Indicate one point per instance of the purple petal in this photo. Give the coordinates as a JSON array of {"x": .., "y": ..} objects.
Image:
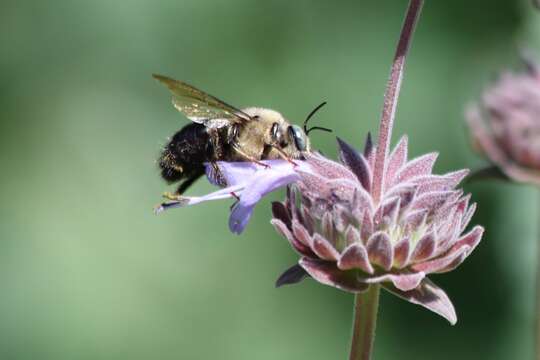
[
  {"x": 261, "y": 183},
  {"x": 284, "y": 231},
  {"x": 415, "y": 218},
  {"x": 279, "y": 211},
  {"x": 239, "y": 218},
  {"x": 402, "y": 253},
  {"x": 396, "y": 160},
  {"x": 402, "y": 281},
  {"x": 355, "y": 257},
  {"x": 432, "y": 200},
  {"x": 417, "y": 167},
  {"x": 301, "y": 234},
  {"x": 241, "y": 172},
  {"x": 471, "y": 239},
  {"x": 352, "y": 235},
  {"x": 425, "y": 248},
  {"x": 327, "y": 226},
  {"x": 448, "y": 181},
  {"x": 405, "y": 191},
  {"x": 441, "y": 264},
  {"x": 341, "y": 217},
  {"x": 429, "y": 296},
  {"x": 324, "y": 249},
  {"x": 380, "y": 250},
  {"x": 389, "y": 211},
  {"x": 449, "y": 231},
  {"x": 468, "y": 216},
  {"x": 308, "y": 219},
  {"x": 293, "y": 275},
  {"x": 367, "y": 226},
  {"x": 361, "y": 200},
  {"x": 329, "y": 169},
  {"x": 328, "y": 274},
  {"x": 356, "y": 163}
]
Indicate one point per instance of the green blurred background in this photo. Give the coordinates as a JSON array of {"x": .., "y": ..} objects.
[{"x": 87, "y": 271}]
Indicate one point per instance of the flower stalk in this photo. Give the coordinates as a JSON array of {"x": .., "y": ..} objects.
[
  {"x": 365, "y": 321},
  {"x": 537, "y": 299},
  {"x": 392, "y": 94}
]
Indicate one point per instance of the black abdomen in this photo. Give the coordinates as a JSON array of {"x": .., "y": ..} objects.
[{"x": 186, "y": 153}]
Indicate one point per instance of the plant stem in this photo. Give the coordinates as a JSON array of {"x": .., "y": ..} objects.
[
  {"x": 537, "y": 299},
  {"x": 365, "y": 320},
  {"x": 391, "y": 95}
]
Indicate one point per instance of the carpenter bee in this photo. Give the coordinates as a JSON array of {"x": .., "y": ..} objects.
[{"x": 221, "y": 132}]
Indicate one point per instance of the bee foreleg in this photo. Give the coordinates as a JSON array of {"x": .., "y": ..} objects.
[
  {"x": 248, "y": 157},
  {"x": 189, "y": 181},
  {"x": 283, "y": 155},
  {"x": 216, "y": 175}
]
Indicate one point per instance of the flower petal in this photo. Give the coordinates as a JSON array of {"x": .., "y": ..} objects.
[
  {"x": 183, "y": 201},
  {"x": 261, "y": 183},
  {"x": 425, "y": 248},
  {"x": 471, "y": 239},
  {"x": 439, "y": 265},
  {"x": 380, "y": 250},
  {"x": 396, "y": 160},
  {"x": 433, "y": 200},
  {"x": 323, "y": 248},
  {"x": 284, "y": 231},
  {"x": 279, "y": 211},
  {"x": 327, "y": 227},
  {"x": 430, "y": 183},
  {"x": 402, "y": 253},
  {"x": 402, "y": 281},
  {"x": 301, "y": 234},
  {"x": 327, "y": 273},
  {"x": 242, "y": 172},
  {"x": 417, "y": 167},
  {"x": 329, "y": 169},
  {"x": 355, "y": 257},
  {"x": 468, "y": 216},
  {"x": 292, "y": 275},
  {"x": 356, "y": 163},
  {"x": 430, "y": 296}
]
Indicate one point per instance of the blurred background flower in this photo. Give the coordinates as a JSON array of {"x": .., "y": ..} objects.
[
  {"x": 88, "y": 271},
  {"x": 505, "y": 124}
]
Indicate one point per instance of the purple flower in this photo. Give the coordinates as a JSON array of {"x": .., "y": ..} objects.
[
  {"x": 248, "y": 182},
  {"x": 505, "y": 125},
  {"x": 347, "y": 240}
]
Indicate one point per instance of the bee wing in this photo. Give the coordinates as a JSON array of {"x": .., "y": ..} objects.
[{"x": 201, "y": 107}]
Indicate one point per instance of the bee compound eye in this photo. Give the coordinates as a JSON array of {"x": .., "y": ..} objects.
[
  {"x": 298, "y": 137},
  {"x": 275, "y": 133}
]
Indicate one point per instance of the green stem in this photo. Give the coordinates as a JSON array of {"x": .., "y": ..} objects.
[
  {"x": 537, "y": 300},
  {"x": 366, "y": 305}
]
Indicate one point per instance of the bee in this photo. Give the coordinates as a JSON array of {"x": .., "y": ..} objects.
[{"x": 221, "y": 132}]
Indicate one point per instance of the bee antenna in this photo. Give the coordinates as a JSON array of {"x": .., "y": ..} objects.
[{"x": 306, "y": 130}]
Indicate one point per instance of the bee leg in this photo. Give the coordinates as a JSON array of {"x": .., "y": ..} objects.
[
  {"x": 235, "y": 201},
  {"x": 184, "y": 185},
  {"x": 189, "y": 181},
  {"x": 248, "y": 157},
  {"x": 283, "y": 155},
  {"x": 216, "y": 175}
]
